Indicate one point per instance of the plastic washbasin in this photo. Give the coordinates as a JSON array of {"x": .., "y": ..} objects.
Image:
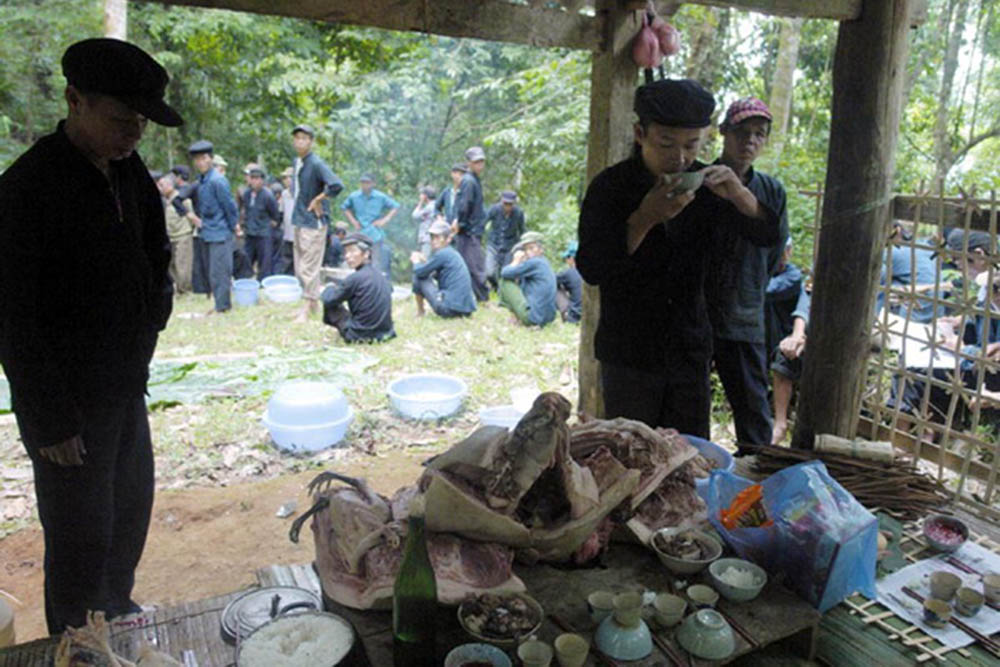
[
  {"x": 309, "y": 438},
  {"x": 283, "y": 293},
  {"x": 307, "y": 416},
  {"x": 500, "y": 415},
  {"x": 246, "y": 291},
  {"x": 272, "y": 281},
  {"x": 427, "y": 395}
]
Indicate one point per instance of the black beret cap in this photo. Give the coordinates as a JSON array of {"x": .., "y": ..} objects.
[
  {"x": 257, "y": 171},
  {"x": 674, "y": 103},
  {"x": 362, "y": 240},
  {"x": 302, "y": 127},
  {"x": 123, "y": 71},
  {"x": 202, "y": 146},
  {"x": 957, "y": 241},
  {"x": 181, "y": 170}
]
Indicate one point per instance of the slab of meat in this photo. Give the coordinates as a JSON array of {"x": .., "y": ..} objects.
[{"x": 357, "y": 561}]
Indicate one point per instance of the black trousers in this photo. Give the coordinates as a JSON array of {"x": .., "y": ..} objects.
[
  {"x": 259, "y": 251},
  {"x": 95, "y": 516},
  {"x": 471, "y": 249},
  {"x": 199, "y": 268},
  {"x": 676, "y": 398},
  {"x": 742, "y": 367}
]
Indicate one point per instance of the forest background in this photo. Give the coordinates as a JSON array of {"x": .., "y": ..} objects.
[{"x": 404, "y": 106}]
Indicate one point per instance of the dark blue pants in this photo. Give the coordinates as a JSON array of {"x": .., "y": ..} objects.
[
  {"x": 95, "y": 516},
  {"x": 428, "y": 289},
  {"x": 678, "y": 397},
  {"x": 199, "y": 268},
  {"x": 259, "y": 250},
  {"x": 277, "y": 241},
  {"x": 284, "y": 263},
  {"x": 471, "y": 249},
  {"x": 742, "y": 367},
  {"x": 220, "y": 271}
]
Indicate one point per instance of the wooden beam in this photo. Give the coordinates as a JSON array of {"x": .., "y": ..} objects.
[
  {"x": 840, "y": 10},
  {"x": 493, "y": 20},
  {"x": 612, "y": 86},
  {"x": 857, "y": 210},
  {"x": 947, "y": 212}
]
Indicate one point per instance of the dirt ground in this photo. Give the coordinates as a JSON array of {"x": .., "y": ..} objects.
[{"x": 203, "y": 541}]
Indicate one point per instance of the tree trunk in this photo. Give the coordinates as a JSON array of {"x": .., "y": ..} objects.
[
  {"x": 116, "y": 18},
  {"x": 612, "y": 86},
  {"x": 708, "y": 50},
  {"x": 944, "y": 156},
  {"x": 781, "y": 85},
  {"x": 856, "y": 215}
]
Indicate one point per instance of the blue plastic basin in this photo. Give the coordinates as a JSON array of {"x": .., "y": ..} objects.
[
  {"x": 710, "y": 450},
  {"x": 307, "y": 416},
  {"x": 427, "y": 395},
  {"x": 246, "y": 291},
  {"x": 283, "y": 292},
  {"x": 271, "y": 281}
]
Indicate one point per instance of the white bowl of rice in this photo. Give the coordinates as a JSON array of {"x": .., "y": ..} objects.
[
  {"x": 737, "y": 579},
  {"x": 307, "y": 639}
]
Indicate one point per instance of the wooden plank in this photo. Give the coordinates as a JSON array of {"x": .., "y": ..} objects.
[
  {"x": 947, "y": 212},
  {"x": 840, "y": 10},
  {"x": 493, "y": 20},
  {"x": 612, "y": 86},
  {"x": 856, "y": 215}
]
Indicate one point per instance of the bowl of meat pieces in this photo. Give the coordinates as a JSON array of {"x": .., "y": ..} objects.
[
  {"x": 945, "y": 533},
  {"x": 500, "y": 619},
  {"x": 684, "y": 550}
]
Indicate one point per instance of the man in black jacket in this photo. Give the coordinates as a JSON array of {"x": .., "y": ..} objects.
[
  {"x": 360, "y": 306},
  {"x": 84, "y": 290},
  {"x": 644, "y": 239}
]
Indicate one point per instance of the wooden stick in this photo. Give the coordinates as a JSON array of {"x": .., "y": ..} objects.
[
  {"x": 754, "y": 644},
  {"x": 986, "y": 642},
  {"x": 667, "y": 649}
]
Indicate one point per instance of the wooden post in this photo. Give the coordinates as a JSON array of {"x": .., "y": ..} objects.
[
  {"x": 856, "y": 215},
  {"x": 612, "y": 87}
]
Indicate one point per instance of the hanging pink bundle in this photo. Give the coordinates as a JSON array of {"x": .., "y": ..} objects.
[{"x": 646, "y": 46}]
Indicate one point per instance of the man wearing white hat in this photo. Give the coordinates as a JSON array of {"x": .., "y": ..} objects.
[{"x": 443, "y": 279}]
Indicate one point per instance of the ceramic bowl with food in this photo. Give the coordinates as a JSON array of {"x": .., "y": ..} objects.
[
  {"x": 500, "y": 619},
  {"x": 476, "y": 655},
  {"x": 736, "y": 579},
  {"x": 684, "y": 550},
  {"x": 945, "y": 533}
]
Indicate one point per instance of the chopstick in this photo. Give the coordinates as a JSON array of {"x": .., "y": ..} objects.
[
  {"x": 566, "y": 627},
  {"x": 986, "y": 642},
  {"x": 754, "y": 644},
  {"x": 951, "y": 560},
  {"x": 668, "y": 650}
]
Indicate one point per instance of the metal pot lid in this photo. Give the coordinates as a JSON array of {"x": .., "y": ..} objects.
[{"x": 259, "y": 605}]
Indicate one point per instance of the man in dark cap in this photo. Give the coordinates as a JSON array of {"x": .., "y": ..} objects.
[
  {"x": 79, "y": 318},
  {"x": 445, "y": 204},
  {"x": 218, "y": 215},
  {"x": 367, "y": 316},
  {"x": 313, "y": 186},
  {"x": 644, "y": 239},
  {"x": 469, "y": 223},
  {"x": 506, "y": 221},
  {"x": 739, "y": 269},
  {"x": 442, "y": 280},
  {"x": 261, "y": 216},
  {"x": 569, "y": 297},
  {"x": 370, "y": 210}
]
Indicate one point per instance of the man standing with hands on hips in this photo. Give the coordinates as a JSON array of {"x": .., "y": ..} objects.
[
  {"x": 313, "y": 185},
  {"x": 76, "y": 351},
  {"x": 644, "y": 239}
]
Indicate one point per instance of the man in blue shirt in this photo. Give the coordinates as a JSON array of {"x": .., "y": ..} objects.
[
  {"x": 569, "y": 282},
  {"x": 469, "y": 223},
  {"x": 913, "y": 270},
  {"x": 313, "y": 186},
  {"x": 506, "y": 220},
  {"x": 260, "y": 210},
  {"x": 217, "y": 217},
  {"x": 443, "y": 280},
  {"x": 528, "y": 285},
  {"x": 370, "y": 210}
]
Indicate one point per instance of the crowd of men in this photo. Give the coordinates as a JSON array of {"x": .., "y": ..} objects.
[{"x": 285, "y": 227}]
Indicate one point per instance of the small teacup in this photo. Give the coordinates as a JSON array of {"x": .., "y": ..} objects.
[
  {"x": 944, "y": 584},
  {"x": 668, "y": 609},
  {"x": 991, "y": 587},
  {"x": 534, "y": 653},
  {"x": 936, "y": 613},
  {"x": 968, "y": 601},
  {"x": 702, "y": 596},
  {"x": 571, "y": 649},
  {"x": 600, "y": 604},
  {"x": 628, "y": 609}
]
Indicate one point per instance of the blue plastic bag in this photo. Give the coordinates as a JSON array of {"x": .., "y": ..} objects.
[{"x": 822, "y": 539}]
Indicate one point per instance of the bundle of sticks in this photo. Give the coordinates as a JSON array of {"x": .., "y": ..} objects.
[{"x": 897, "y": 487}]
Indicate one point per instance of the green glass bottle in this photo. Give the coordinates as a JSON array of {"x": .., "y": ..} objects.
[{"x": 414, "y": 598}]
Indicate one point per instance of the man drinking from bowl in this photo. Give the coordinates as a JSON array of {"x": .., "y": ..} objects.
[{"x": 645, "y": 241}]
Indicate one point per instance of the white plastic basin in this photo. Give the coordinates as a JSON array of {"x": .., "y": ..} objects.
[
  {"x": 427, "y": 395},
  {"x": 500, "y": 415},
  {"x": 283, "y": 293},
  {"x": 307, "y": 415},
  {"x": 272, "y": 281},
  {"x": 310, "y": 438}
]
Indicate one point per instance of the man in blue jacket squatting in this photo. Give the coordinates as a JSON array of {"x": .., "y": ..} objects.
[
  {"x": 76, "y": 351},
  {"x": 443, "y": 281}
]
